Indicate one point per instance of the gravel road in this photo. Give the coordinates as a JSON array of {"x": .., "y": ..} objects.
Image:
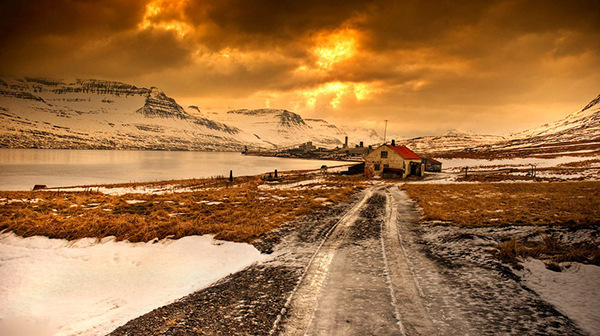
[{"x": 366, "y": 268}]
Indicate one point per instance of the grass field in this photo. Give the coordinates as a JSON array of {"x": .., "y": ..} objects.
[
  {"x": 570, "y": 205},
  {"x": 481, "y": 204},
  {"x": 241, "y": 212}
]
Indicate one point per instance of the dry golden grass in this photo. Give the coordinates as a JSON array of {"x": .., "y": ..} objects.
[
  {"x": 240, "y": 212},
  {"x": 572, "y": 204},
  {"x": 549, "y": 249},
  {"x": 482, "y": 204}
]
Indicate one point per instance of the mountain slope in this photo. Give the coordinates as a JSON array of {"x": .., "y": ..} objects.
[
  {"x": 283, "y": 128},
  {"x": 96, "y": 114},
  {"x": 452, "y": 140},
  {"x": 577, "y": 126},
  {"x": 40, "y": 113},
  {"x": 578, "y": 134}
]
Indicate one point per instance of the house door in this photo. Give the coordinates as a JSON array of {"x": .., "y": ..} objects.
[{"x": 415, "y": 168}]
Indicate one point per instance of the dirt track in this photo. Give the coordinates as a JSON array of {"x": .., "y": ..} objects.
[{"x": 366, "y": 269}]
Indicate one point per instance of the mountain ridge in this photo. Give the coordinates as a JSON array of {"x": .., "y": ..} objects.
[{"x": 98, "y": 114}]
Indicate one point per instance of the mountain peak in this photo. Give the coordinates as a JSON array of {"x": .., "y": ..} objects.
[
  {"x": 593, "y": 103},
  {"x": 159, "y": 105},
  {"x": 456, "y": 132},
  {"x": 591, "y": 108},
  {"x": 258, "y": 112}
]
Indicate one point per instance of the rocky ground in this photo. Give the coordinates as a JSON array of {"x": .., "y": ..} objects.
[
  {"x": 248, "y": 302},
  {"x": 467, "y": 290},
  {"x": 370, "y": 267}
]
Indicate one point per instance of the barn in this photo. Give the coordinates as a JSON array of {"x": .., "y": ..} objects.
[{"x": 394, "y": 160}]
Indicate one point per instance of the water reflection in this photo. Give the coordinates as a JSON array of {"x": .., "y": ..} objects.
[{"x": 20, "y": 169}]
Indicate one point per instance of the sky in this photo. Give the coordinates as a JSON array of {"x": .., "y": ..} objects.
[{"x": 492, "y": 67}]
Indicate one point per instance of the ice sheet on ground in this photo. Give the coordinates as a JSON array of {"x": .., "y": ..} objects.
[
  {"x": 574, "y": 291},
  {"x": 540, "y": 162},
  {"x": 135, "y": 201},
  {"x": 293, "y": 185},
  {"x": 56, "y": 287},
  {"x": 118, "y": 191}
]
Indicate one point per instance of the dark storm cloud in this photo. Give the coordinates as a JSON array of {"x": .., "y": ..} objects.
[
  {"x": 260, "y": 23},
  {"x": 21, "y": 19},
  {"x": 418, "y": 57}
]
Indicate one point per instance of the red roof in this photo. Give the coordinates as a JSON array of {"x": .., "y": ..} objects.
[{"x": 405, "y": 152}]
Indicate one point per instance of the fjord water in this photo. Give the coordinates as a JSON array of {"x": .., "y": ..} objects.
[{"x": 20, "y": 169}]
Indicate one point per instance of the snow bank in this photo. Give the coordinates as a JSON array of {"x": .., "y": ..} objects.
[
  {"x": 512, "y": 162},
  {"x": 90, "y": 287},
  {"x": 574, "y": 291}
]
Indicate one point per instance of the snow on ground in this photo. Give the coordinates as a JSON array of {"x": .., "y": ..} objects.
[
  {"x": 118, "y": 191},
  {"x": 453, "y": 164},
  {"x": 293, "y": 185},
  {"x": 574, "y": 291},
  {"x": 90, "y": 287},
  {"x": 453, "y": 168}
]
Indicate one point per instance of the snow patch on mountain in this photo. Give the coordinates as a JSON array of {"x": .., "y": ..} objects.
[
  {"x": 96, "y": 114},
  {"x": 578, "y": 126},
  {"x": 281, "y": 128},
  {"x": 451, "y": 140}
]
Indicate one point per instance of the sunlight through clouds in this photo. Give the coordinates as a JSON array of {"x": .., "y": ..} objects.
[
  {"x": 336, "y": 47},
  {"x": 491, "y": 66},
  {"x": 336, "y": 91},
  {"x": 167, "y": 15}
]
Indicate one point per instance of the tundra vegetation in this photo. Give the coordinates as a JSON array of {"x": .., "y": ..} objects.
[
  {"x": 240, "y": 211},
  {"x": 570, "y": 206}
]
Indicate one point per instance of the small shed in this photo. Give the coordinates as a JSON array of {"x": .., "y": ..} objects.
[
  {"x": 355, "y": 169},
  {"x": 432, "y": 165}
]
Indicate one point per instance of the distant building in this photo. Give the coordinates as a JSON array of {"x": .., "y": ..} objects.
[
  {"x": 307, "y": 147},
  {"x": 394, "y": 160}
]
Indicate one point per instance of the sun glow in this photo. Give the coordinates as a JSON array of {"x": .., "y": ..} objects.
[
  {"x": 336, "y": 91},
  {"x": 167, "y": 15},
  {"x": 334, "y": 48}
]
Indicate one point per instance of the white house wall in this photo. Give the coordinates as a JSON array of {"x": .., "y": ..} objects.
[{"x": 394, "y": 160}]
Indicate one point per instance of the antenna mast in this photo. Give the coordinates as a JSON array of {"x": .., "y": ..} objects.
[{"x": 385, "y": 132}]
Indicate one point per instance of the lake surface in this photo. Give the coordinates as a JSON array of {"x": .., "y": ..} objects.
[{"x": 20, "y": 169}]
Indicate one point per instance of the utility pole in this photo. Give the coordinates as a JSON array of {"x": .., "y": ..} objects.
[{"x": 385, "y": 132}]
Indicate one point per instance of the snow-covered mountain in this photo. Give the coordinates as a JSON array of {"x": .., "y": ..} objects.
[
  {"x": 40, "y": 113},
  {"x": 47, "y": 113},
  {"x": 357, "y": 134},
  {"x": 577, "y": 134},
  {"x": 281, "y": 128},
  {"x": 577, "y": 126},
  {"x": 452, "y": 140}
]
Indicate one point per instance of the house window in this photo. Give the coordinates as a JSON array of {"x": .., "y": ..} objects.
[
  {"x": 384, "y": 155},
  {"x": 377, "y": 167},
  {"x": 386, "y": 166}
]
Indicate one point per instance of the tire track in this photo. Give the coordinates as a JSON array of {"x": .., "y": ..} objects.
[
  {"x": 303, "y": 299},
  {"x": 406, "y": 292}
]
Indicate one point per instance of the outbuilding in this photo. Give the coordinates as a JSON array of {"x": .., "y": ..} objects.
[
  {"x": 394, "y": 160},
  {"x": 432, "y": 165}
]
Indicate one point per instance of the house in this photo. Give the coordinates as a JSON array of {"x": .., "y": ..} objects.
[
  {"x": 394, "y": 160},
  {"x": 432, "y": 165}
]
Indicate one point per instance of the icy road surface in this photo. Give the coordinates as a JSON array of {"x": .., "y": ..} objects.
[
  {"x": 366, "y": 268},
  {"x": 374, "y": 275}
]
